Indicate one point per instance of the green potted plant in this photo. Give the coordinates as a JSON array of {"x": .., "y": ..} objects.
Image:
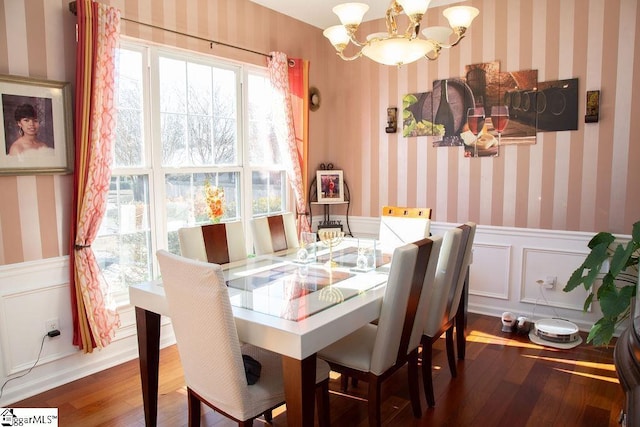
[{"x": 617, "y": 267}]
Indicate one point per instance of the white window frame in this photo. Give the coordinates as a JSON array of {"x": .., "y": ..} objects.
[{"x": 152, "y": 149}]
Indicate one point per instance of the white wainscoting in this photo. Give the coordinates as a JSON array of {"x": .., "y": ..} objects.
[
  {"x": 507, "y": 264},
  {"x": 32, "y": 293},
  {"x": 492, "y": 261}
]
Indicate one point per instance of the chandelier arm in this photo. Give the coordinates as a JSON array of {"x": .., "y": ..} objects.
[
  {"x": 459, "y": 31},
  {"x": 436, "y": 54},
  {"x": 392, "y": 11},
  {"x": 349, "y": 58},
  {"x": 447, "y": 46},
  {"x": 413, "y": 29},
  {"x": 356, "y": 42}
]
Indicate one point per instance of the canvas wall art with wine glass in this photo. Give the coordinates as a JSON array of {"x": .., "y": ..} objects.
[{"x": 516, "y": 106}]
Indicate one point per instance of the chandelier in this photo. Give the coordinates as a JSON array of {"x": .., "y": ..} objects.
[{"x": 393, "y": 48}]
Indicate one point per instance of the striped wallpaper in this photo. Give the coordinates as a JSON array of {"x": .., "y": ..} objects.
[
  {"x": 36, "y": 40},
  {"x": 580, "y": 180}
]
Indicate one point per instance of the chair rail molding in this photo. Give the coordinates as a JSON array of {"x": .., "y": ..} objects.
[
  {"x": 507, "y": 264},
  {"x": 31, "y": 293}
]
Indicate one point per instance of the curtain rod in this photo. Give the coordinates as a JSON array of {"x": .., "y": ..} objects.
[{"x": 73, "y": 8}]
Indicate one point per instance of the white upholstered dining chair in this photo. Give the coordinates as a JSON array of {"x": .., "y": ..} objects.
[
  {"x": 442, "y": 308},
  {"x": 218, "y": 243},
  {"x": 211, "y": 353},
  {"x": 375, "y": 351},
  {"x": 274, "y": 233},
  {"x": 402, "y": 225}
]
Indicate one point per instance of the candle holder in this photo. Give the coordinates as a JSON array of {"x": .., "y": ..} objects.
[
  {"x": 307, "y": 251},
  {"x": 366, "y": 259},
  {"x": 331, "y": 238}
]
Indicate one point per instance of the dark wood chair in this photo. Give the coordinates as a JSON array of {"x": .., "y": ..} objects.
[
  {"x": 217, "y": 243},
  {"x": 375, "y": 351},
  {"x": 274, "y": 233}
]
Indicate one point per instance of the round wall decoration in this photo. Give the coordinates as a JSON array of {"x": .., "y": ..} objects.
[{"x": 314, "y": 98}]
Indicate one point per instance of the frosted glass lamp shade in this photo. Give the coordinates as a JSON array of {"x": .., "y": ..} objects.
[
  {"x": 350, "y": 14},
  {"x": 460, "y": 16},
  {"x": 438, "y": 34},
  {"x": 414, "y": 7},
  {"x": 338, "y": 36},
  {"x": 397, "y": 50}
]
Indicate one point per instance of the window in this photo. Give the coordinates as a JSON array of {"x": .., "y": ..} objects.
[
  {"x": 184, "y": 120},
  {"x": 267, "y": 183}
]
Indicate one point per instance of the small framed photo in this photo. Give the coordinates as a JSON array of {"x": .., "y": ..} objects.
[
  {"x": 36, "y": 130},
  {"x": 330, "y": 186}
]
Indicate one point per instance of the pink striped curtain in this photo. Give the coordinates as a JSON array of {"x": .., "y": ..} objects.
[
  {"x": 94, "y": 320},
  {"x": 290, "y": 78}
]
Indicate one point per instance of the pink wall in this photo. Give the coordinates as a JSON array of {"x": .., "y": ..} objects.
[
  {"x": 580, "y": 180},
  {"x": 37, "y": 39}
]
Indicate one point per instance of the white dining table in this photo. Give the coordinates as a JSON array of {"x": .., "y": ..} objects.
[{"x": 289, "y": 308}]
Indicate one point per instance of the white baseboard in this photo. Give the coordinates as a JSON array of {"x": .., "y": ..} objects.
[
  {"x": 507, "y": 263},
  {"x": 30, "y": 294}
]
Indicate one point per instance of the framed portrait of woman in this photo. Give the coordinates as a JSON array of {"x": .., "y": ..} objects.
[
  {"x": 36, "y": 131},
  {"x": 330, "y": 186}
]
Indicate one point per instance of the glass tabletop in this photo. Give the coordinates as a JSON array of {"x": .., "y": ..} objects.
[{"x": 283, "y": 287}]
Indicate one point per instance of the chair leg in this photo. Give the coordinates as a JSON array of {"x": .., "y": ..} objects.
[
  {"x": 322, "y": 402},
  {"x": 461, "y": 318},
  {"x": 193, "y": 404},
  {"x": 344, "y": 382},
  {"x": 427, "y": 379},
  {"x": 414, "y": 392},
  {"x": 451, "y": 352},
  {"x": 375, "y": 387}
]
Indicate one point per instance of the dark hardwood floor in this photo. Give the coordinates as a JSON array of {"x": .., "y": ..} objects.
[{"x": 505, "y": 380}]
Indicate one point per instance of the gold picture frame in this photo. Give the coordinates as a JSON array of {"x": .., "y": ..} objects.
[{"x": 36, "y": 129}]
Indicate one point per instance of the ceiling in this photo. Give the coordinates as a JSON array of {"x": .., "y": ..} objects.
[{"x": 319, "y": 14}]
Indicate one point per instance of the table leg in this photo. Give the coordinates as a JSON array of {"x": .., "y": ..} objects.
[
  {"x": 461, "y": 318},
  {"x": 299, "y": 390},
  {"x": 148, "y": 328}
]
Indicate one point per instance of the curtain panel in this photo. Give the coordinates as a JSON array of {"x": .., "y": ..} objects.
[
  {"x": 94, "y": 319},
  {"x": 290, "y": 79}
]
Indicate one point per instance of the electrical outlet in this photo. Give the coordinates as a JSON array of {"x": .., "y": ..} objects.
[
  {"x": 51, "y": 325},
  {"x": 550, "y": 282}
]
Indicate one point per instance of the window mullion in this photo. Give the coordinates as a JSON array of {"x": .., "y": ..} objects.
[
  {"x": 154, "y": 152},
  {"x": 234, "y": 142}
]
